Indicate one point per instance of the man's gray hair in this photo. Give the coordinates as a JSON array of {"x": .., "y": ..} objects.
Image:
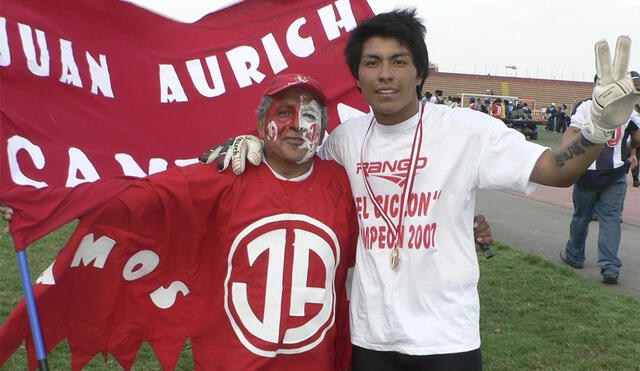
[{"x": 265, "y": 103}]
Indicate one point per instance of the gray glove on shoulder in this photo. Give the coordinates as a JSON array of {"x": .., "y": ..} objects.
[{"x": 235, "y": 151}]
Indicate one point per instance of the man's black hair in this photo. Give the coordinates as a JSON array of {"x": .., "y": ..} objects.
[{"x": 401, "y": 24}]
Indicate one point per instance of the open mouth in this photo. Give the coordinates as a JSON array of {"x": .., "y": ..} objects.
[{"x": 386, "y": 91}]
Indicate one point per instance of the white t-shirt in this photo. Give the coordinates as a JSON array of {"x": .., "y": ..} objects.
[{"x": 429, "y": 303}]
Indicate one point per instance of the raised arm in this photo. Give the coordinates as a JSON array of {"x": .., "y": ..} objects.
[{"x": 611, "y": 105}]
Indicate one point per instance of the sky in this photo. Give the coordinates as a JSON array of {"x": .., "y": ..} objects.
[{"x": 550, "y": 39}]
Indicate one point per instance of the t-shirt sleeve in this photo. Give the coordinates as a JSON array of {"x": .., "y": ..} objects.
[
  {"x": 581, "y": 115},
  {"x": 333, "y": 146},
  {"x": 507, "y": 160},
  {"x": 634, "y": 122}
]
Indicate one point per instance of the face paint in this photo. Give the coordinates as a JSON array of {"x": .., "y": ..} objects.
[
  {"x": 272, "y": 131},
  {"x": 308, "y": 117},
  {"x": 293, "y": 128}
]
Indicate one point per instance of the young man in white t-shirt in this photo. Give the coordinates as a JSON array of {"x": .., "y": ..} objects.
[{"x": 414, "y": 169}]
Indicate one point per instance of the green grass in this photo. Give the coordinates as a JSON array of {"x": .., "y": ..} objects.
[
  {"x": 548, "y": 138},
  {"x": 536, "y": 315}
]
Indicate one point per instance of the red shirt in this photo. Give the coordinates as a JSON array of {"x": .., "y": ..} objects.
[{"x": 253, "y": 275}]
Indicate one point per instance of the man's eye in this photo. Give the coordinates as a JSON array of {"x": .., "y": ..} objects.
[
  {"x": 284, "y": 113},
  {"x": 370, "y": 62},
  {"x": 401, "y": 62},
  {"x": 309, "y": 117}
]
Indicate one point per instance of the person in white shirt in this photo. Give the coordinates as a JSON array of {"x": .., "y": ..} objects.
[{"x": 414, "y": 169}]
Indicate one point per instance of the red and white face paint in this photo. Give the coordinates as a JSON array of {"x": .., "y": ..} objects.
[
  {"x": 294, "y": 119},
  {"x": 309, "y": 125}
]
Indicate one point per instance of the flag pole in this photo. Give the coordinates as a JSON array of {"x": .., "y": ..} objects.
[{"x": 36, "y": 334}]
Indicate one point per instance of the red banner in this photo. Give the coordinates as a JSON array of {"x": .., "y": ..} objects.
[
  {"x": 167, "y": 259},
  {"x": 93, "y": 89}
]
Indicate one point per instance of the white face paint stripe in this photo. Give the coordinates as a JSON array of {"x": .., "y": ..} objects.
[
  {"x": 272, "y": 131},
  {"x": 309, "y": 128}
]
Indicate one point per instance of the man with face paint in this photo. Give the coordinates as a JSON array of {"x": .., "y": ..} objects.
[
  {"x": 414, "y": 303},
  {"x": 273, "y": 246},
  {"x": 290, "y": 119}
]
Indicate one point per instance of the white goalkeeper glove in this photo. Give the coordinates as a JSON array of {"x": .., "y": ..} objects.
[
  {"x": 237, "y": 151},
  {"x": 613, "y": 99}
]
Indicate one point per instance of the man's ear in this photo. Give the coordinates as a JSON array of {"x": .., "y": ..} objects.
[
  {"x": 419, "y": 79},
  {"x": 358, "y": 83},
  {"x": 261, "y": 133}
]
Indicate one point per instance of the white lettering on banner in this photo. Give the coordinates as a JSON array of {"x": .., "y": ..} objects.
[
  {"x": 38, "y": 69},
  {"x": 266, "y": 242},
  {"x": 300, "y": 46},
  {"x": 329, "y": 22},
  {"x": 164, "y": 298},
  {"x": 170, "y": 87},
  {"x": 90, "y": 250},
  {"x": 196, "y": 72},
  {"x": 186, "y": 161},
  {"x": 14, "y": 145},
  {"x": 131, "y": 168},
  {"x": 244, "y": 61},
  {"x": 80, "y": 164},
  {"x": 100, "y": 79},
  {"x": 70, "y": 74},
  {"x": 274, "y": 55},
  {"x": 140, "y": 264},
  {"x": 137, "y": 266},
  {"x": 46, "y": 277},
  {"x": 5, "y": 52}
]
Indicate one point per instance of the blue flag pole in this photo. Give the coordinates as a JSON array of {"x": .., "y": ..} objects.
[{"x": 36, "y": 334}]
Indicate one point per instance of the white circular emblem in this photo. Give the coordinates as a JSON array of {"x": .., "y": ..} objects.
[{"x": 279, "y": 292}]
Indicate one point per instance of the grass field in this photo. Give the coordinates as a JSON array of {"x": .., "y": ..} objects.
[
  {"x": 548, "y": 138},
  {"x": 536, "y": 315}
]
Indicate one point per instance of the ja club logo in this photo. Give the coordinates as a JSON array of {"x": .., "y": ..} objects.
[{"x": 279, "y": 289}]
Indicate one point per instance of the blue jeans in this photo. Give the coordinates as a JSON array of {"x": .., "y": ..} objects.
[{"x": 608, "y": 201}]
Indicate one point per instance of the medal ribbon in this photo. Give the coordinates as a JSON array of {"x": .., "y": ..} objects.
[{"x": 406, "y": 190}]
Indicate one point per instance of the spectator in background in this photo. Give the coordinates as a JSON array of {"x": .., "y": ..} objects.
[
  {"x": 518, "y": 113},
  {"x": 472, "y": 104},
  {"x": 439, "y": 97},
  {"x": 527, "y": 111},
  {"x": 455, "y": 102},
  {"x": 429, "y": 97},
  {"x": 602, "y": 188},
  {"x": 635, "y": 121},
  {"x": 551, "y": 117},
  {"x": 508, "y": 109},
  {"x": 561, "y": 119},
  {"x": 484, "y": 107},
  {"x": 496, "y": 108}
]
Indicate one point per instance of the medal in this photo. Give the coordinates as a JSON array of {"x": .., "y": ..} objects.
[{"x": 394, "y": 228}]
